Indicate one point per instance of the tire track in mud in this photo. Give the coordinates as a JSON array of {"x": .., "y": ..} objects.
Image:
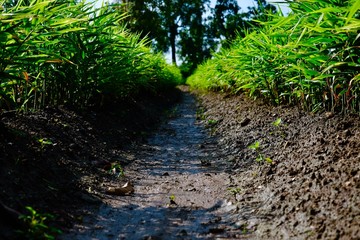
[{"x": 181, "y": 161}]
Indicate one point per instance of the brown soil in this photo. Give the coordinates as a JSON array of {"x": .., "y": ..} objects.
[
  {"x": 312, "y": 188},
  {"x": 180, "y": 188},
  {"x": 188, "y": 184},
  {"x": 61, "y": 175}
]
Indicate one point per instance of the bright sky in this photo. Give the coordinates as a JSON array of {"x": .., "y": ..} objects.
[{"x": 244, "y": 4}]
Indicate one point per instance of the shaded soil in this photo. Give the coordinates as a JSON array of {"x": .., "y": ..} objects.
[
  {"x": 193, "y": 179},
  {"x": 53, "y": 160}
]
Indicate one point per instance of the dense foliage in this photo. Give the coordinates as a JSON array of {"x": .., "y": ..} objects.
[
  {"x": 309, "y": 58},
  {"x": 171, "y": 24},
  {"x": 190, "y": 29},
  {"x": 63, "y": 52}
]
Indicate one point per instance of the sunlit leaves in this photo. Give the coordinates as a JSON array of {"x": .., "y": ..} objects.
[
  {"x": 73, "y": 54},
  {"x": 309, "y": 58}
]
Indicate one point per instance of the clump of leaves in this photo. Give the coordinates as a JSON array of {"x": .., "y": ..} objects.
[
  {"x": 38, "y": 227},
  {"x": 45, "y": 141},
  {"x": 211, "y": 124},
  {"x": 260, "y": 156}
]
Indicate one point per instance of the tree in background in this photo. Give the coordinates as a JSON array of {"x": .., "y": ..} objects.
[
  {"x": 12, "y": 3},
  {"x": 225, "y": 20},
  {"x": 260, "y": 12},
  {"x": 145, "y": 18},
  {"x": 195, "y": 43},
  {"x": 164, "y": 21},
  {"x": 189, "y": 28}
]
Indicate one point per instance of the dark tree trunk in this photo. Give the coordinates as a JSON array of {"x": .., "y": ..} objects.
[{"x": 173, "y": 33}]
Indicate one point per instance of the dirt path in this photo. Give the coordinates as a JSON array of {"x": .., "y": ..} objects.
[
  {"x": 181, "y": 161},
  {"x": 309, "y": 190}
]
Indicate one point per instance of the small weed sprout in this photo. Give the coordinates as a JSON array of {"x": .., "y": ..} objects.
[
  {"x": 278, "y": 124},
  {"x": 200, "y": 114},
  {"x": 211, "y": 123},
  {"x": 172, "y": 197},
  {"x": 172, "y": 200},
  {"x": 260, "y": 156},
  {"x": 234, "y": 190},
  {"x": 244, "y": 229},
  {"x": 117, "y": 169},
  {"x": 38, "y": 227},
  {"x": 256, "y": 147},
  {"x": 44, "y": 142}
]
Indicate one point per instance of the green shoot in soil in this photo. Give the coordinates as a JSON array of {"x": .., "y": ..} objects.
[
  {"x": 117, "y": 169},
  {"x": 211, "y": 122},
  {"x": 200, "y": 114},
  {"x": 44, "y": 142},
  {"x": 277, "y": 122},
  {"x": 38, "y": 227},
  {"x": 260, "y": 156},
  {"x": 234, "y": 190},
  {"x": 279, "y": 125}
]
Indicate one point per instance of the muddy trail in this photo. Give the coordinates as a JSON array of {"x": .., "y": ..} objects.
[
  {"x": 197, "y": 175},
  {"x": 181, "y": 188}
]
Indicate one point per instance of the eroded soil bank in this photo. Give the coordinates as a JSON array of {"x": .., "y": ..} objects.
[{"x": 312, "y": 188}]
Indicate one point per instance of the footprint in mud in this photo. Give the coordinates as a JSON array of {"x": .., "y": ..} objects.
[{"x": 176, "y": 195}]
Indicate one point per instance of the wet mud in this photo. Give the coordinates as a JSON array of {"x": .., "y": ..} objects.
[
  {"x": 195, "y": 176},
  {"x": 311, "y": 188},
  {"x": 181, "y": 188}
]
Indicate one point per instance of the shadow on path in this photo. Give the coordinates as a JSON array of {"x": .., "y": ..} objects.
[{"x": 179, "y": 162}]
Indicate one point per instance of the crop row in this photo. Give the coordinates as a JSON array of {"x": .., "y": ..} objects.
[
  {"x": 309, "y": 58},
  {"x": 62, "y": 52}
]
